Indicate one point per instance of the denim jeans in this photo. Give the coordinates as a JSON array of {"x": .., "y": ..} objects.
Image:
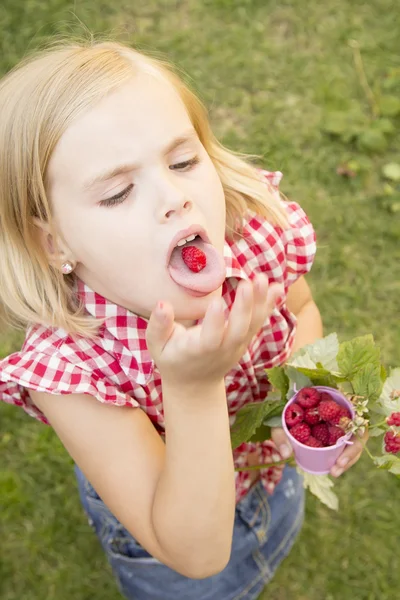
[{"x": 264, "y": 531}]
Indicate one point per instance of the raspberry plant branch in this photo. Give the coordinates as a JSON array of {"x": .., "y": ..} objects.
[
  {"x": 354, "y": 369},
  {"x": 288, "y": 461},
  {"x": 365, "y": 447}
]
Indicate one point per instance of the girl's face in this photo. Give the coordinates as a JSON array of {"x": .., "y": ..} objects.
[{"x": 124, "y": 179}]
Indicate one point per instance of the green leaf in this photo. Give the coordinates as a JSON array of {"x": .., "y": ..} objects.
[
  {"x": 392, "y": 79},
  {"x": 354, "y": 165},
  {"x": 273, "y": 421},
  {"x": 275, "y": 410},
  {"x": 371, "y": 140},
  {"x": 375, "y": 431},
  {"x": 394, "y": 207},
  {"x": 346, "y": 388},
  {"x": 391, "y": 171},
  {"x": 325, "y": 351},
  {"x": 355, "y": 354},
  {"x": 389, "y": 106},
  {"x": 296, "y": 380},
  {"x": 388, "y": 462},
  {"x": 388, "y": 402},
  {"x": 320, "y": 376},
  {"x": 363, "y": 164},
  {"x": 262, "y": 433},
  {"x": 346, "y": 125},
  {"x": 384, "y": 126},
  {"x": 367, "y": 381},
  {"x": 320, "y": 486},
  {"x": 250, "y": 418},
  {"x": 278, "y": 378},
  {"x": 388, "y": 190},
  {"x": 335, "y": 123},
  {"x": 301, "y": 358},
  {"x": 322, "y": 351}
]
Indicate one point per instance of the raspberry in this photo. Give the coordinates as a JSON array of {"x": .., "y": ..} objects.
[
  {"x": 321, "y": 433},
  {"x": 343, "y": 413},
  {"x": 311, "y": 416},
  {"x": 301, "y": 432},
  {"x": 328, "y": 409},
  {"x": 308, "y": 397},
  {"x": 325, "y": 396},
  {"x": 194, "y": 258},
  {"x": 334, "y": 434},
  {"x": 394, "y": 419},
  {"x": 313, "y": 442},
  {"x": 392, "y": 442},
  {"x": 294, "y": 414}
]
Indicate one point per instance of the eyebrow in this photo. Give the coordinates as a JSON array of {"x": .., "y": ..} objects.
[{"x": 108, "y": 174}]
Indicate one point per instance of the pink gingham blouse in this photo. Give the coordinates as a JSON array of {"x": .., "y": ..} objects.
[{"x": 117, "y": 368}]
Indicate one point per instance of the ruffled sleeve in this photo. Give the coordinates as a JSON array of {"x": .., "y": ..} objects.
[
  {"x": 53, "y": 374},
  {"x": 300, "y": 243}
]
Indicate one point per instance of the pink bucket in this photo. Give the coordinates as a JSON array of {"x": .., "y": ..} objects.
[{"x": 319, "y": 461}]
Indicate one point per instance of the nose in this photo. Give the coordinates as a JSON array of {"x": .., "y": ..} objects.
[{"x": 173, "y": 200}]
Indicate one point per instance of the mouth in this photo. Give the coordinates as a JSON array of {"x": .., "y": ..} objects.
[
  {"x": 187, "y": 275},
  {"x": 185, "y": 236}
]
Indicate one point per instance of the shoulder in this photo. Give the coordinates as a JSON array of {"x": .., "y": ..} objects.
[
  {"x": 284, "y": 253},
  {"x": 258, "y": 230}
]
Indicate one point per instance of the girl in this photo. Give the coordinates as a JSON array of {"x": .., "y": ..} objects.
[{"x": 156, "y": 271}]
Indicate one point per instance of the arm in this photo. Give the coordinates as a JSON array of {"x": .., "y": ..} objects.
[{"x": 176, "y": 499}]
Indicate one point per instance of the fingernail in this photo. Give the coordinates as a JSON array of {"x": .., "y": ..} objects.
[
  {"x": 343, "y": 461},
  {"x": 285, "y": 450},
  {"x": 338, "y": 472},
  {"x": 260, "y": 282},
  {"x": 160, "y": 311}
]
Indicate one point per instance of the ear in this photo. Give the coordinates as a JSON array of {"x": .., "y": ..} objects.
[{"x": 56, "y": 250}]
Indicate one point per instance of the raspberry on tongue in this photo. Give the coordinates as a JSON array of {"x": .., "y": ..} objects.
[
  {"x": 197, "y": 267},
  {"x": 194, "y": 258}
]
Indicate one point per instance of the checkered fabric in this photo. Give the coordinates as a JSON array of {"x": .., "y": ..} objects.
[{"x": 117, "y": 368}]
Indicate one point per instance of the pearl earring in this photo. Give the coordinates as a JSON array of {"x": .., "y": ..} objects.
[{"x": 66, "y": 268}]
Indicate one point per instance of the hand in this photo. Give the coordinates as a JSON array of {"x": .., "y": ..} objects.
[
  {"x": 282, "y": 442},
  {"x": 205, "y": 353},
  {"x": 350, "y": 455},
  {"x": 346, "y": 460}
]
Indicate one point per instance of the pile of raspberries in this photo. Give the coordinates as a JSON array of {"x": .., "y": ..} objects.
[{"x": 315, "y": 419}]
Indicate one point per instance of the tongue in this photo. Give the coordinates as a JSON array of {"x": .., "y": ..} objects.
[{"x": 205, "y": 281}]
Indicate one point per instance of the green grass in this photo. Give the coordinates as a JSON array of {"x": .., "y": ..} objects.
[{"x": 268, "y": 71}]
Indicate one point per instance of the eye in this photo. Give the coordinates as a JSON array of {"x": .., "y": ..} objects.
[
  {"x": 186, "y": 165},
  {"x": 118, "y": 198}
]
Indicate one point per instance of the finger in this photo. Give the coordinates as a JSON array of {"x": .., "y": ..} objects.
[
  {"x": 348, "y": 457},
  {"x": 160, "y": 327},
  {"x": 265, "y": 299},
  {"x": 275, "y": 292},
  {"x": 240, "y": 316},
  {"x": 213, "y": 326},
  {"x": 282, "y": 442},
  {"x": 341, "y": 467}
]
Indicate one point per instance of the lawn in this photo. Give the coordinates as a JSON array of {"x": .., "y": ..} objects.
[{"x": 269, "y": 72}]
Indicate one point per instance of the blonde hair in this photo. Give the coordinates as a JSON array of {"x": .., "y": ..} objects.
[{"x": 39, "y": 99}]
